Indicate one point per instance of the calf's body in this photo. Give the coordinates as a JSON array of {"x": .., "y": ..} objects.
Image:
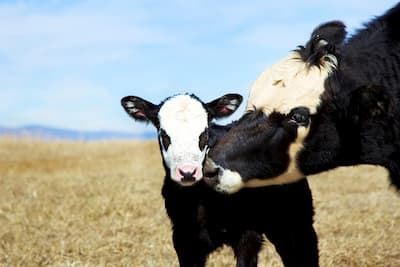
[{"x": 203, "y": 219}]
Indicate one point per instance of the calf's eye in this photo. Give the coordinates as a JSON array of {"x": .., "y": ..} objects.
[
  {"x": 165, "y": 139},
  {"x": 203, "y": 139}
]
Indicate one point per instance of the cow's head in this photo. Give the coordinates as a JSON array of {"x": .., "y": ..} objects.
[
  {"x": 262, "y": 148},
  {"x": 182, "y": 123}
]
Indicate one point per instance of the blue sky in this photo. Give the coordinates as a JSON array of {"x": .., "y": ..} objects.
[{"x": 68, "y": 63}]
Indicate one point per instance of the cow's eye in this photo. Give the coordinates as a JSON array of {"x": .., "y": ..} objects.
[
  {"x": 300, "y": 116},
  {"x": 165, "y": 140},
  {"x": 203, "y": 139}
]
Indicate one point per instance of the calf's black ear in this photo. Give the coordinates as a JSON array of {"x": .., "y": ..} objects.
[
  {"x": 224, "y": 106},
  {"x": 140, "y": 109},
  {"x": 324, "y": 43}
]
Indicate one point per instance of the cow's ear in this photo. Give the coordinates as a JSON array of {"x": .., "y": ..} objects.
[
  {"x": 224, "y": 106},
  {"x": 324, "y": 44},
  {"x": 140, "y": 109}
]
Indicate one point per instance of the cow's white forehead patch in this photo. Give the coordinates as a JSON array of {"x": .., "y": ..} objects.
[{"x": 290, "y": 83}]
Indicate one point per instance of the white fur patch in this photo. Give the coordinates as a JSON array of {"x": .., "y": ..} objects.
[
  {"x": 231, "y": 106},
  {"x": 183, "y": 118},
  {"x": 132, "y": 109},
  {"x": 129, "y": 104},
  {"x": 290, "y": 83},
  {"x": 229, "y": 182}
]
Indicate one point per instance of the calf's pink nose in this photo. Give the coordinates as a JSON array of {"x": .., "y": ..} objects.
[{"x": 187, "y": 172}]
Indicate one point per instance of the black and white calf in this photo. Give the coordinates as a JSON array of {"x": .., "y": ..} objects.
[
  {"x": 202, "y": 219},
  {"x": 332, "y": 102}
]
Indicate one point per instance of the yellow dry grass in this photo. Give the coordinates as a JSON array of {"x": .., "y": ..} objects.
[{"x": 99, "y": 204}]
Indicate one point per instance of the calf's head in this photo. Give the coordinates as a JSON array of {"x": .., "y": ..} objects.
[{"x": 182, "y": 123}]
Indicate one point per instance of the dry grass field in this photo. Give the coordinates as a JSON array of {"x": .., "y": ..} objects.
[{"x": 99, "y": 204}]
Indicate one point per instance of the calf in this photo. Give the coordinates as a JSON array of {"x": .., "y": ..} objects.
[
  {"x": 330, "y": 103},
  {"x": 203, "y": 219}
]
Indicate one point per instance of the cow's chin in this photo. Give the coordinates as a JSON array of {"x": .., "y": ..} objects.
[
  {"x": 222, "y": 180},
  {"x": 230, "y": 182}
]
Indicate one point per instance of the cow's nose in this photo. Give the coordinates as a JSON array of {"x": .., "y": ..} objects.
[
  {"x": 212, "y": 173},
  {"x": 211, "y": 176}
]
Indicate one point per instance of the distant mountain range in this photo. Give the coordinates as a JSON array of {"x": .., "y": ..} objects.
[{"x": 44, "y": 132}]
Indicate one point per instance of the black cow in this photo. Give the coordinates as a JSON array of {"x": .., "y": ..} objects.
[
  {"x": 203, "y": 219},
  {"x": 332, "y": 102}
]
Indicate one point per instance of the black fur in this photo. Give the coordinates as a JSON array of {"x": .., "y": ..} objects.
[
  {"x": 203, "y": 220},
  {"x": 358, "y": 120},
  {"x": 256, "y": 141}
]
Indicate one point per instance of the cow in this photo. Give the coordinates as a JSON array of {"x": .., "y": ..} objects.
[
  {"x": 203, "y": 219},
  {"x": 332, "y": 102}
]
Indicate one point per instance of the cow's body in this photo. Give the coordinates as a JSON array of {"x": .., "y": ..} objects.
[
  {"x": 348, "y": 93},
  {"x": 202, "y": 219},
  {"x": 362, "y": 101}
]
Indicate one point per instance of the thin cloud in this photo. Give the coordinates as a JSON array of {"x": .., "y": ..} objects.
[
  {"x": 68, "y": 63},
  {"x": 69, "y": 104},
  {"x": 32, "y": 39}
]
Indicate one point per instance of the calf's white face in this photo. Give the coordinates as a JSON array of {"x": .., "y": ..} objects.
[
  {"x": 182, "y": 123},
  {"x": 183, "y": 137}
]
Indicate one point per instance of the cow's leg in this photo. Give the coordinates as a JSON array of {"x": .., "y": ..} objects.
[
  {"x": 190, "y": 249},
  {"x": 247, "y": 248},
  {"x": 297, "y": 246},
  {"x": 290, "y": 227},
  {"x": 393, "y": 166}
]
